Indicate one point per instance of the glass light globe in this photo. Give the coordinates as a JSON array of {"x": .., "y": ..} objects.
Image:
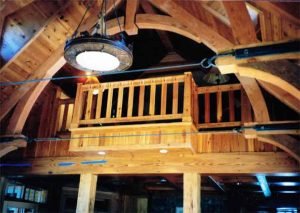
[{"x": 98, "y": 61}]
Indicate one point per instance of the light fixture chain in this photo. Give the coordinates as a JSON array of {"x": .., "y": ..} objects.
[{"x": 76, "y": 31}]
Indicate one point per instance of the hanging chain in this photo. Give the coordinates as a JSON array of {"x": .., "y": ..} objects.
[{"x": 76, "y": 31}]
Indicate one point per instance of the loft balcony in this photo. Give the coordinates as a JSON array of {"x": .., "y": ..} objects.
[{"x": 152, "y": 113}]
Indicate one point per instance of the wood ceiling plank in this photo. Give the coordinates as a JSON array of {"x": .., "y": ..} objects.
[
  {"x": 134, "y": 163},
  {"x": 131, "y": 9},
  {"x": 241, "y": 23},
  {"x": 209, "y": 37}
]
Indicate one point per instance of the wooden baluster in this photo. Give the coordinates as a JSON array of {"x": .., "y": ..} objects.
[
  {"x": 141, "y": 100},
  {"x": 99, "y": 102},
  {"x": 207, "y": 107},
  {"x": 195, "y": 104},
  {"x": 120, "y": 102},
  {"x": 77, "y": 106},
  {"x": 231, "y": 106},
  {"x": 219, "y": 106},
  {"x": 175, "y": 98},
  {"x": 152, "y": 99},
  {"x": 130, "y": 101},
  {"x": 187, "y": 105},
  {"x": 65, "y": 118},
  {"x": 88, "y": 108},
  {"x": 163, "y": 101},
  {"x": 109, "y": 102}
]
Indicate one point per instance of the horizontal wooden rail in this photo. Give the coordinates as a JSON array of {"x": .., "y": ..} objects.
[{"x": 222, "y": 88}]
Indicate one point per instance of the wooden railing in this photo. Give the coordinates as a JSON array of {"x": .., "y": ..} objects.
[
  {"x": 146, "y": 100},
  {"x": 64, "y": 114},
  {"x": 222, "y": 106}
]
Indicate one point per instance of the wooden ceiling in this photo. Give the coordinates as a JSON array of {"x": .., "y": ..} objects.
[{"x": 33, "y": 35}]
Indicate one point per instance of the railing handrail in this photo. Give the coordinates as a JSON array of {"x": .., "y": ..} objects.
[{"x": 139, "y": 82}]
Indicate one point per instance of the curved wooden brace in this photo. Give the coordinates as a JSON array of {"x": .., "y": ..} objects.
[
  {"x": 277, "y": 74},
  {"x": 284, "y": 142},
  {"x": 256, "y": 98},
  {"x": 7, "y": 147}
]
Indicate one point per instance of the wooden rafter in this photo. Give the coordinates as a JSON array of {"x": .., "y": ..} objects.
[
  {"x": 207, "y": 35},
  {"x": 131, "y": 9},
  {"x": 238, "y": 15}
]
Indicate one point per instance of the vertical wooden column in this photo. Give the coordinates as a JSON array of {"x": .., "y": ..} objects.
[
  {"x": 191, "y": 190},
  {"x": 187, "y": 104},
  {"x": 86, "y": 193},
  {"x": 77, "y": 107}
]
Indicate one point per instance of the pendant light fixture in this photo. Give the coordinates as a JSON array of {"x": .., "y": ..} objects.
[{"x": 97, "y": 51}]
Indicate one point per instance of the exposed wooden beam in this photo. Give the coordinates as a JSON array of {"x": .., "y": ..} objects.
[
  {"x": 191, "y": 192},
  {"x": 239, "y": 16},
  {"x": 86, "y": 193},
  {"x": 285, "y": 142},
  {"x": 208, "y": 36},
  {"x": 256, "y": 98},
  {"x": 210, "y": 163},
  {"x": 281, "y": 95},
  {"x": 131, "y": 9},
  {"x": 242, "y": 26}
]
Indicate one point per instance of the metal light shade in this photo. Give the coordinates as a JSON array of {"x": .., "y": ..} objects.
[{"x": 98, "y": 53}]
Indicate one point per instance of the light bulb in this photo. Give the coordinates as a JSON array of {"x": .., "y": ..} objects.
[{"x": 98, "y": 61}]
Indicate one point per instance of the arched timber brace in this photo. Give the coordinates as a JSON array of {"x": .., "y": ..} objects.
[
  {"x": 256, "y": 98},
  {"x": 285, "y": 142},
  {"x": 281, "y": 73}
]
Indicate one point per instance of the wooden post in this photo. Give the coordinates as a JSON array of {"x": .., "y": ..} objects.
[
  {"x": 191, "y": 190},
  {"x": 86, "y": 193},
  {"x": 77, "y": 107},
  {"x": 187, "y": 104}
]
